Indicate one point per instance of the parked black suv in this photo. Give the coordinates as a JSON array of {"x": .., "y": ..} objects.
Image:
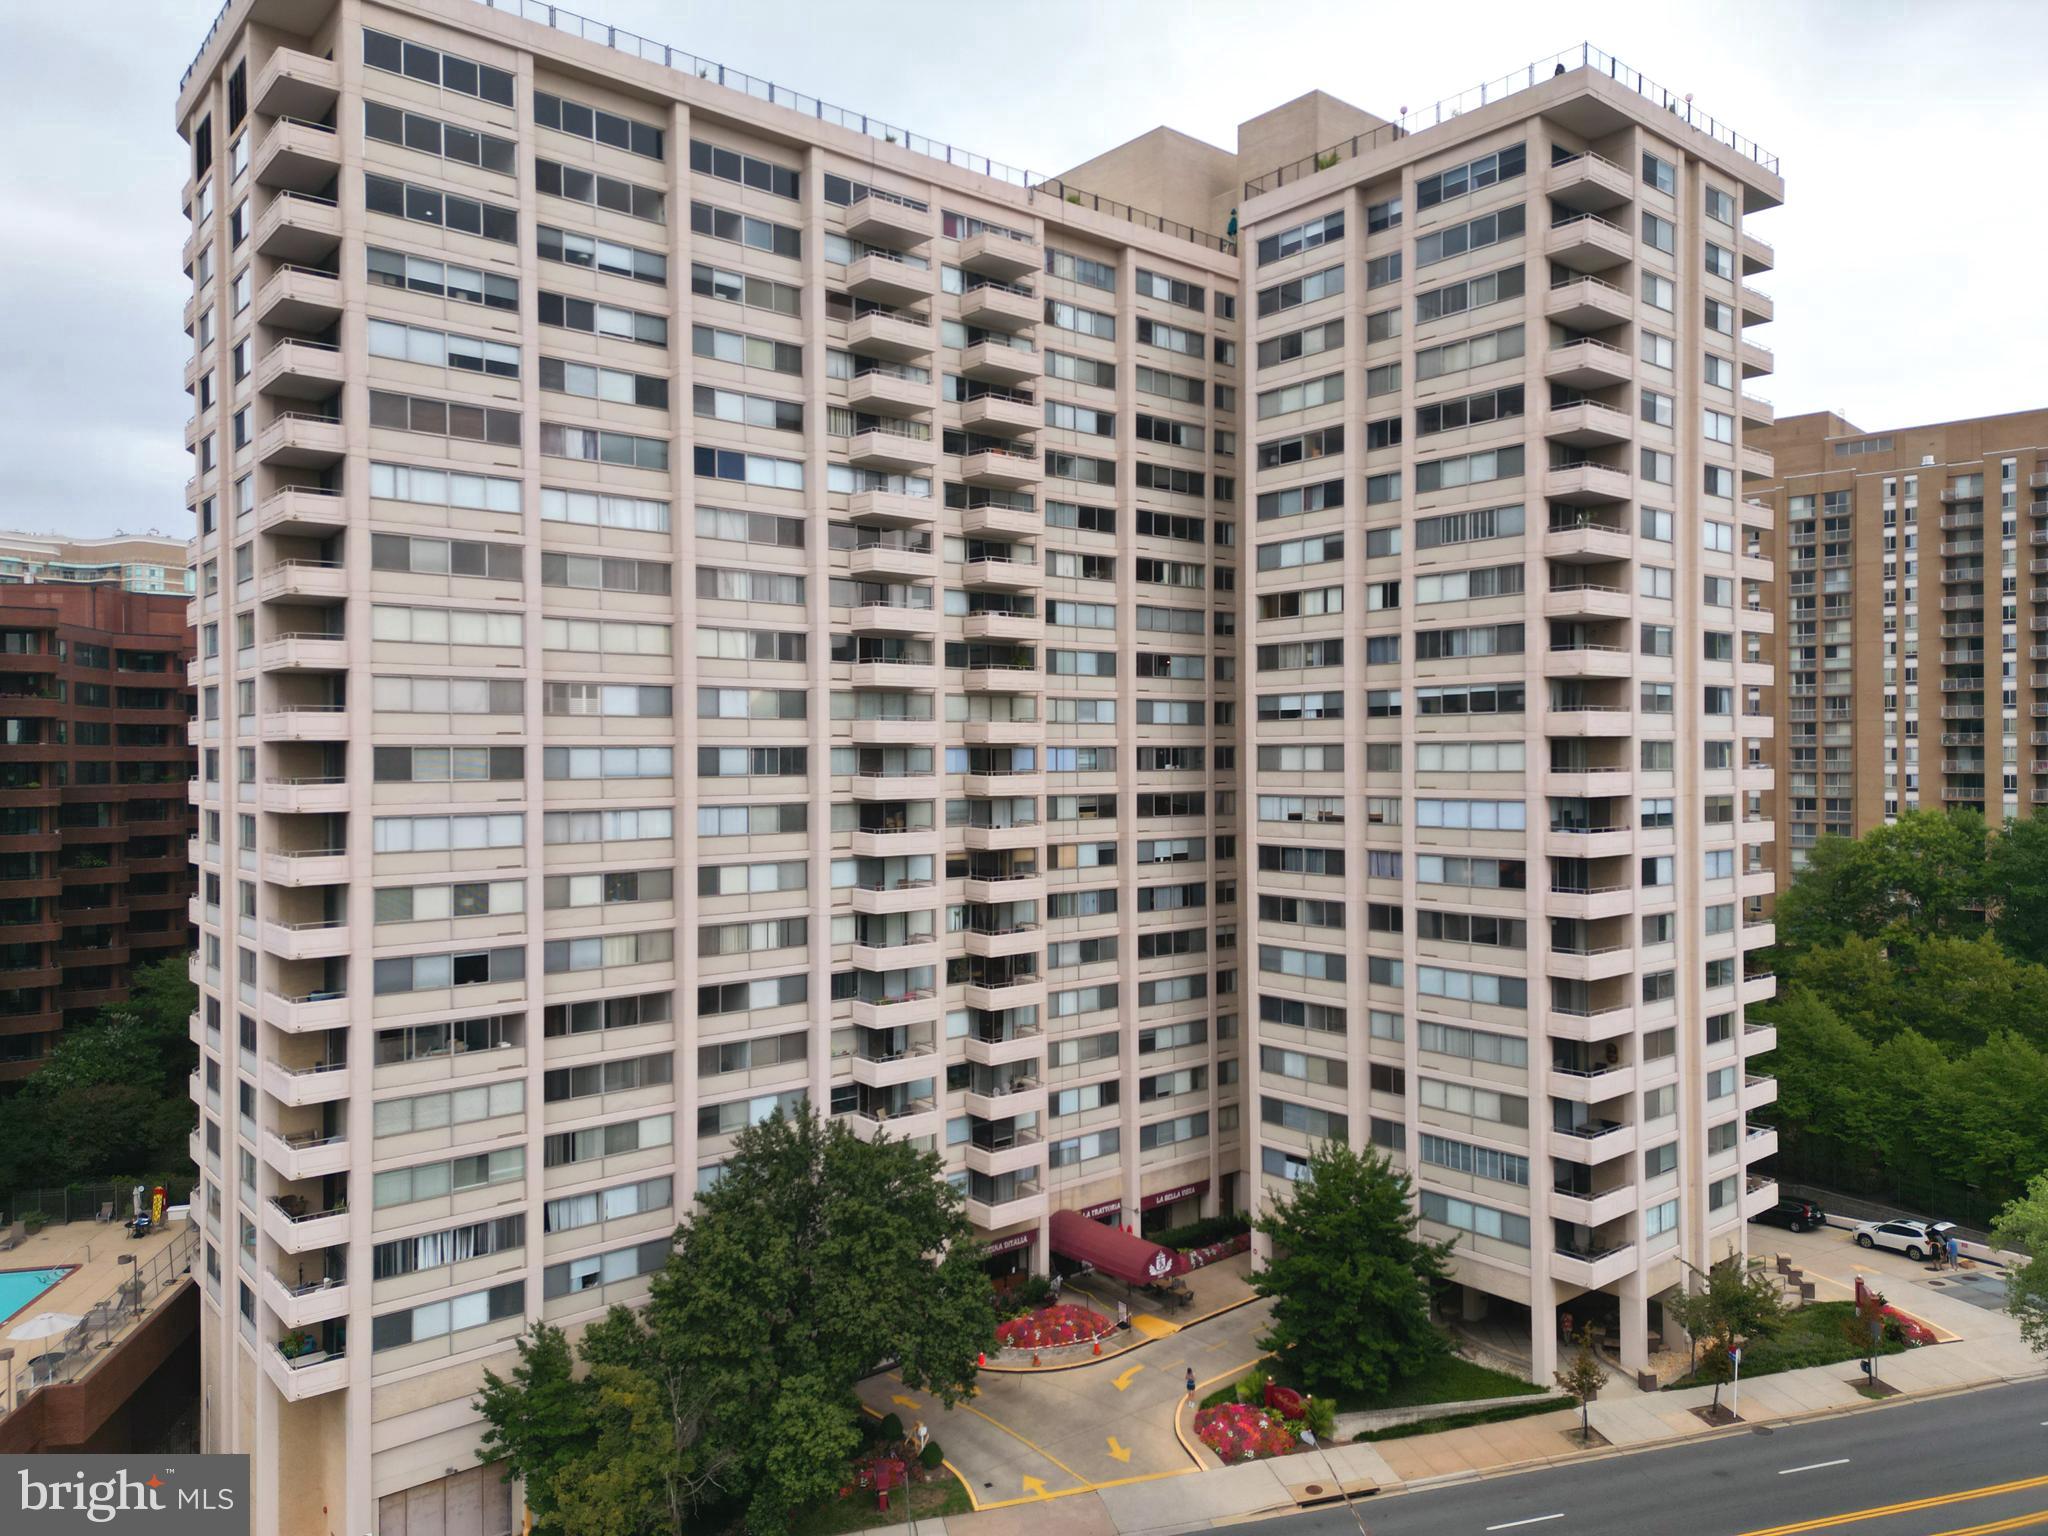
[{"x": 1794, "y": 1215}]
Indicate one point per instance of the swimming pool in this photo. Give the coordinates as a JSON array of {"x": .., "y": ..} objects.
[{"x": 19, "y": 1288}]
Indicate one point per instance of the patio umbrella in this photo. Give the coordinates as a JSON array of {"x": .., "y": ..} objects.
[{"x": 45, "y": 1324}]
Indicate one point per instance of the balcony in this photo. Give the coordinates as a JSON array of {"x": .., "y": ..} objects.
[
  {"x": 1758, "y": 308},
  {"x": 892, "y": 619},
  {"x": 311, "y": 722},
  {"x": 1758, "y": 1089},
  {"x": 893, "y": 561},
  {"x": 886, "y": 900},
  {"x": 1587, "y": 600},
  {"x": 1001, "y": 414},
  {"x": 1583, "y": 481},
  {"x": 295, "y": 84},
  {"x": 1757, "y": 255},
  {"x": 1586, "y": 1209},
  {"x": 287, "y": 1223},
  {"x": 996, "y": 521},
  {"x": 298, "y": 155},
  {"x": 994, "y": 253},
  {"x": 299, "y": 299},
  {"x": 1587, "y": 364},
  {"x": 1593, "y": 1268},
  {"x": 1023, "y": 834},
  {"x": 300, "y": 370},
  {"x": 306, "y": 580},
  {"x": 324, "y": 1083},
  {"x": 888, "y": 673},
  {"x": 1587, "y": 661},
  {"x": 311, "y": 1375},
  {"x": 302, "y": 510},
  {"x": 1595, "y": 1142},
  {"x": 886, "y": 392},
  {"x": 887, "y": 278},
  {"x": 304, "y": 1014},
  {"x": 1592, "y": 1025},
  {"x": 1588, "y": 424},
  {"x": 305, "y": 796},
  {"x": 1758, "y": 1141},
  {"x": 305, "y": 1155},
  {"x": 1588, "y": 303},
  {"x": 995, "y": 624},
  {"x": 899, "y": 1011},
  {"x": 1026, "y": 1097},
  {"x": 1581, "y": 540},
  {"x": 1589, "y": 183},
  {"x": 1756, "y": 359},
  {"x": 306, "y": 651},
  {"x": 300, "y": 440},
  {"x": 891, "y": 842},
  {"x": 307, "y": 941},
  {"x": 895, "y": 335},
  {"x": 298, "y": 226},
  {"x": 907, "y": 954},
  {"x": 1026, "y": 1204},
  {"x": 1757, "y": 464},
  {"x": 893, "y": 450},
  {"x": 1585, "y": 242},
  {"x": 883, "y": 218},
  {"x": 1592, "y": 1086},
  {"x": 995, "y": 306},
  {"x": 300, "y": 1305},
  {"x": 1001, "y": 469},
  {"x": 991, "y": 362},
  {"x": 1758, "y": 1195},
  {"x": 304, "y": 867},
  {"x": 890, "y": 509},
  {"x": 1587, "y": 721},
  {"x": 1589, "y": 842},
  {"x": 1588, "y": 903},
  {"x": 1756, "y": 410},
  {"x": 994, "y": 890},
  {"x": 887, "y": 1070},
  {"x": 996, "y": 943}
]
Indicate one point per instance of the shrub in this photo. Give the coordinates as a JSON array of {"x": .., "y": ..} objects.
[
  {"x": 1028, "y": 1294},
  {"x": 1251, "y": 1388},
  {"x": 1321, "y": 1417},
  {"x": 892, "y": 1428},
  {"x": 931, "y": 1457},
  {"x": 1210, "y": 1229}
]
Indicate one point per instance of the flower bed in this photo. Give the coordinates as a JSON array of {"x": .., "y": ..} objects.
[
  {"x": 1050, "y": 1327},
  {"x": 1241, "y": 1432},
  {"x": 1210, "y": 1253}
]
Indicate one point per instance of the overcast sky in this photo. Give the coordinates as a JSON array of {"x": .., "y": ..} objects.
[{"x": 1910, "y": 138}]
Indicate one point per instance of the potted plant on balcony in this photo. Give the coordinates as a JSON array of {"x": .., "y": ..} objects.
[{"x": 295, "y": 1344}]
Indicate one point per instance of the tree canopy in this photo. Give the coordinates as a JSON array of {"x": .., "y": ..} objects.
[
  {"x": 2023, "y": 1225},
  {"x": 1349, "y": 1279},
  {"x": 1912, "y": 1013},
  {"x": 815, "y": 1258}
]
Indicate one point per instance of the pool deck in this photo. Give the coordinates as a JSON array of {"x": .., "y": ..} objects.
[
  {"x": 28, "y": 1307},
  {"x": 90, "y": 1250}
]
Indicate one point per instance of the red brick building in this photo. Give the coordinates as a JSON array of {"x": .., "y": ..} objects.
[{"x": 95, "y": 810}]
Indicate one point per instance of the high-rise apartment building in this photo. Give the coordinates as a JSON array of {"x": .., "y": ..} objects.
[
  {"x": 1508, "y": 686},
  {"x": 133, "y": 562},
  {"x": 94, "y": 810},
  {"x": 598, "y": 776},
  {"x": 1914, "y": 620}
]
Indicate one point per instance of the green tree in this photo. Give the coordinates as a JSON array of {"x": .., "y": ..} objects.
[
  {"x": 2023, "y": 1225},
  {"x": 1583, "y": 1379},
  {"x": 103, "y": 1103},
  {"x": 815, "y": 1258},
  {"x": 1824, "y": 1074},
  {"x": 1923, "y": 874},
  {"x": 1722, "y": 1308},
  {"x": 1349, "y": 1279},
  {"x": 2018, "y": 880}
]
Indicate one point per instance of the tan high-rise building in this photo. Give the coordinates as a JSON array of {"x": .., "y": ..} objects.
[
  {"x": 1913, "y": 617},
  {"x": 599, "y": 776},
  {"x": 1508, "y": 683}
]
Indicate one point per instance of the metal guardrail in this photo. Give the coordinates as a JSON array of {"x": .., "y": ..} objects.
[
  {"x": 1580, "y": 56},
  {"x": 70, "y": 1355}
]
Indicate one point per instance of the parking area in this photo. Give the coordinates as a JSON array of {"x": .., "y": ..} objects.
[{"x": 1967, "y": 1303}]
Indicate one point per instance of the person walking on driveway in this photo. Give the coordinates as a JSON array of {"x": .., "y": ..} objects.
[{"x": 1191, "y": 1381}]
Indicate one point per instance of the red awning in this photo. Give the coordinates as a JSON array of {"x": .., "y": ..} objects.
[{"x": 1133, "y": 1260}]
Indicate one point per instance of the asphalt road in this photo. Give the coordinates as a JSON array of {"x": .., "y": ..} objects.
[{"x": 1972, "y": 1464}]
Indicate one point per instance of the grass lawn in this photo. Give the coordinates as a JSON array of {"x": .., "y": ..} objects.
[
  {"x": 1449, "y": 1380},
  {"x": 1815, "y": 1334},
  {"x": 943, "y": 1496}
]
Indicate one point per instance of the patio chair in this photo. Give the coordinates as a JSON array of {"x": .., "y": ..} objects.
[
  {"x": 106, "y": 1212},
  {"x": 16, "y": 1236}
]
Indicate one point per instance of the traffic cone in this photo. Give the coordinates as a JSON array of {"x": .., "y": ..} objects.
[
  {"x": 1098, "y": 1346},
  {"x": 981, "y": 1357}
]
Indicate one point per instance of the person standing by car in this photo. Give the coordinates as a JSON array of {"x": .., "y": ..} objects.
[{"x": 1954, "y": 1251}]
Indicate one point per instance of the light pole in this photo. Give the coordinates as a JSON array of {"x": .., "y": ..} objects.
[
  {"x": 6, "y": 1381},
  {"x": 1308, "y": 1438}
]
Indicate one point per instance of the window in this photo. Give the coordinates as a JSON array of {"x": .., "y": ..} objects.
[
  {"x": 1476, "y": 234},
  {"x": 1302, "y": 237},
  {"x": 444, "y": 210},
  {"x": 1471, "y": 293},
  {"x": 1461, "y": 180},
  {"x": 594, "y": 319},
  {"x": 592, "y": 446},
  {"x": 412, "y": 130},
  {"x": 1083, "y": 322},
  {"x": 578, "y": 185},
  {"x": 1658, "y": 173},
  {"x": 1659, "y": 232},
  {"x": 573, "y": 117},
  {"x": 444, "y": 418},
  {"x": 462, "y": 285},
  {"x": 449, "y": 71},
  {"x": 1297, "y": 291}
]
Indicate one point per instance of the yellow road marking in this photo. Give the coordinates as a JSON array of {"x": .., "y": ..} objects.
[
  {"x": 1068, "y": 1493},
  {"x": 1855, "y": 1516},
  {"x": 904, "y": 1402},
  {"x": 1121, "y": 1453},
  {"x": 2016, "y": 1523},
  {"x": 1154, "y": 1327},
  {"x": 1123, "y": 1378},
  {"x": 1035, "y": 1486},
  {"x": 1048, "y": 1455}
]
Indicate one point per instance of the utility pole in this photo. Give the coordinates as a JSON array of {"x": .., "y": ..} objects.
[{"x": 1308, "y": 1438}]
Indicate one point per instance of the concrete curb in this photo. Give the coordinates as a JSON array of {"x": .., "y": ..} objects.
[{"x": 1129, "y": 1349}]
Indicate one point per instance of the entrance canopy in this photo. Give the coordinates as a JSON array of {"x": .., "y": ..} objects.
[{"x": 1133, "y": 1260}]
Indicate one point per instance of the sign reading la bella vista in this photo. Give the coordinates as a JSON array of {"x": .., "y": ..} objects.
[{"x": 1168, "y": 1196}]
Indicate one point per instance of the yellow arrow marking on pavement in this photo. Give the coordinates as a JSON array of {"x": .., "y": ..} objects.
[
  {"x": 1118, "y": 1451},
  {"x": 903, "y": 1402},
  {"x": 1123, "y": 1379},
  {"x": 1035, "y": 1485}
]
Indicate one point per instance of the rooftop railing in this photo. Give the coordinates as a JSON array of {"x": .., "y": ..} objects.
[{"x": 1580, "y": 56}]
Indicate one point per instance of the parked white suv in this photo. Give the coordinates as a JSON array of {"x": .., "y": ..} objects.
[{"x": 1915, "y": 1239}]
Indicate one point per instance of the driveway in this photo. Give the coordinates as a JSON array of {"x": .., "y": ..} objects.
[
  {"x": 1968, "y": 1303},
  {"x": 1030, "y": 1435}
]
